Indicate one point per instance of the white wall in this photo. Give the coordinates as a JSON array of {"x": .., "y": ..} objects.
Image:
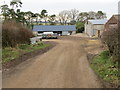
[
  {"x": 35, "y": 33},
  {"x": 73, "y": 32},
  {"x": 89, "y": 29},
  {"x": 98, "y": 27},
  {"x": 65, "y": 33},
  {"x": 92, "y": 30}
]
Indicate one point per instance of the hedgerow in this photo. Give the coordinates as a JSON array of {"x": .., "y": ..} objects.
[
  {"x": 111, "y": 38},
  {"x": 14, "y": 33}
]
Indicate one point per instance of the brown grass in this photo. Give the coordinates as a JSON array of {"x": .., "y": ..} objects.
[{"x": 14, "y": 33}]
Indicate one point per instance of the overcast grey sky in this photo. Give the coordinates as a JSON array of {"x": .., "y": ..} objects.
[{"x": 55, "y": 6}]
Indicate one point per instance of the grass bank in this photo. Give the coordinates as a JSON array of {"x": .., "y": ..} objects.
[
  {"x": 9, "y": 54},
  {"x": 102, "y": 64}
]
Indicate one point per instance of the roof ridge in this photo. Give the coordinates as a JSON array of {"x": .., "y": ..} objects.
[{"x": 98, "y": 21}]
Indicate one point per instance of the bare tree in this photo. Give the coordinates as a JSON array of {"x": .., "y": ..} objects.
[
  {"x": 74, "y": 13},
  {"x": 64, "y": 17}
]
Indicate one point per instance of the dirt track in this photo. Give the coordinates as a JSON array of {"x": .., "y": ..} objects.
[{"x": 64, "y": 66}]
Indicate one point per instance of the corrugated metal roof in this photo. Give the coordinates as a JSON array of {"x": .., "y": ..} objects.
[
  {"x": 54, "y": 28},
  {"x": 100, "y": 21}
]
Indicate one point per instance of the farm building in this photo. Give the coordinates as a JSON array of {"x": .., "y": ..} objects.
[
  {"x": 113, "y": 22},
  {"x": 95, "y": 27},
  {"x": 59, "y": 29}
]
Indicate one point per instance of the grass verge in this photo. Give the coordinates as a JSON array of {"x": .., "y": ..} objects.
[
  {"x": 103, "y": 65},
  {"x": 9, "y": 54}
]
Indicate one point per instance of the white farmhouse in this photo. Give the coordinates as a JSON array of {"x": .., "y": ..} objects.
[{"x": 95, "y": 27}]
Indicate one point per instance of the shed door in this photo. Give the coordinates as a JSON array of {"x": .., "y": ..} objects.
[{"x": 98, "y": 33}]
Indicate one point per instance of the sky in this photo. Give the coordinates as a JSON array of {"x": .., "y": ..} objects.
[{"x": 110, "y": 7}]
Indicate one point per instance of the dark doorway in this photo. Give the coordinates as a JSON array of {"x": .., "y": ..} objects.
[
  {"x": 40, "y": 31},
  {"x": 58, "y": 32},
  {"x": 70, "y": 32},
  {"x": 98, "y": 33}
]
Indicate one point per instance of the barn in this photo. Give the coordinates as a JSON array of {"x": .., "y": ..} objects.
[
  {"x": 113, "y": 23},
  {"x": 59, "y": 29},
  {"x": 95, "y": 27}
]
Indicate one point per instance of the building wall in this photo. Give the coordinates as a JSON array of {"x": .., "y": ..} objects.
[
  {"x": 98, "y": 33},
  {"x": 65, "y": 32},
  {"x": 35, "y": 33},
  {"x": 93, "y": 30},
  {"x": 68, "y": 32},
  {"x": 73, "y": 32},
  {"x": 111, "y": 24},
  {"x": 89, "y": 29},
  {"x": 98, "y": 30},
  {"x": 98, "y": 27}
]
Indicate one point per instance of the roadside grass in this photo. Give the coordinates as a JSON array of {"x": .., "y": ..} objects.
[
  {"x": 9, "y": 54},
  {"x": 102, "y": 64}
]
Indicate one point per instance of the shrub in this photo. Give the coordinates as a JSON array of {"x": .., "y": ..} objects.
[
  {"x": 111, "y": 39},
  {"x": 14, "y": 33},
  {"x": 80, "y": 27}
]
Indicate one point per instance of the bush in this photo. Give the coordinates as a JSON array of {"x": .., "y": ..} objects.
[
  {"x": 111, "y": 39},
  {"x": 14, "y": 33},
  {"x": 80, "y": 27}
]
